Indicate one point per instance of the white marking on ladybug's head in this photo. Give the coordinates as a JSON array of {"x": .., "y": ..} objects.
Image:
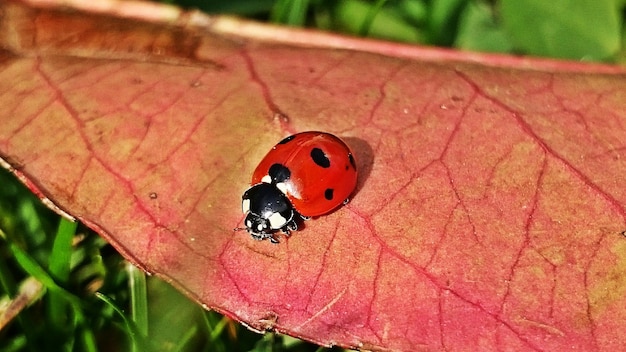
[
  {"x": 248, "y": 223},
  {"x": 282, "y": 187},
  {"x": 245, "y": 205},
  {"x": 267, "y": 179},
  {"x": 287, "y": 188},
  {"x": 277, "y": 221}
]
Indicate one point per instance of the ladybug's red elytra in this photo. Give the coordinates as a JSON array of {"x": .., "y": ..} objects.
[{"x": 304, "y": 175}]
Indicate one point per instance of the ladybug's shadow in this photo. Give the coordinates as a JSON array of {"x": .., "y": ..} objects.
[{"x": 364, "y": 157}]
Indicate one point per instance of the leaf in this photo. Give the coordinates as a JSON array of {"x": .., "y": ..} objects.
[{"x": 491, "y": 200}]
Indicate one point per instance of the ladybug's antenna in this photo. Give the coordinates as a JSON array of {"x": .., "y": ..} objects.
[{"x": 239, "y": 228}]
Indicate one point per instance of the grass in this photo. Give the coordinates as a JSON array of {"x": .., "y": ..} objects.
[
  {"x": 589, "y": 31},
  {"x": 64, "y": 288}
]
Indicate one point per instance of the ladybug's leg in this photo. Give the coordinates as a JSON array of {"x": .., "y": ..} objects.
[
  {"x": 291, "y": 226},
  {"x": 298, "y": 216},
  {"x": 258, "y": 236},
  {"x": 273, "y": 239},
  {"x": 262, "y": 236}
]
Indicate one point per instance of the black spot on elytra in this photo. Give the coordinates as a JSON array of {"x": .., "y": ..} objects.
[
  {"x": 279, "y": 173},
  {"x": 328, "y": 193},
  {"x": 287, "y": 140},
  {"x": 320, "y": 158}
]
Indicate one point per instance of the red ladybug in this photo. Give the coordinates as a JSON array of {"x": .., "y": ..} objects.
[{"x": 304, "y": 175}]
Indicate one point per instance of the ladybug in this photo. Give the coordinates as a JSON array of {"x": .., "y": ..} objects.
[{"x": 305, "y": 175}]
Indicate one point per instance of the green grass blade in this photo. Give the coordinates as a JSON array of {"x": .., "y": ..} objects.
[
  {"x": 60, "y": 258},
  {"x": 216, "y": 331},
  {"x": 33, "y": 268},
  {"x": 16, "y": 344},
  {"x": 137, "y": 339},
  {"x": 213, "y": 327},
  {"x": 7, "y": 280},
  {"x": 59, "y": 268},
  {"x": 184, "y": 342},
  {"x": 88, "y": 340},
  {"x": 291, "y": 12},
  {"x": 138, "y": 299},
  {"x": 369, "y": 17}
]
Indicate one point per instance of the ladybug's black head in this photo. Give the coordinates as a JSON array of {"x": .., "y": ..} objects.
[
  {"x": 257, "y": 225},
  {"x": 267, "y": 209}
]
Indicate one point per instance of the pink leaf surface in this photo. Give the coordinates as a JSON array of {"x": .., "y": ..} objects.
[{"x": 490, "y": 206}]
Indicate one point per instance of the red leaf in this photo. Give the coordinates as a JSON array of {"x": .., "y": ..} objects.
[{"x": 491, "y": 200}]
